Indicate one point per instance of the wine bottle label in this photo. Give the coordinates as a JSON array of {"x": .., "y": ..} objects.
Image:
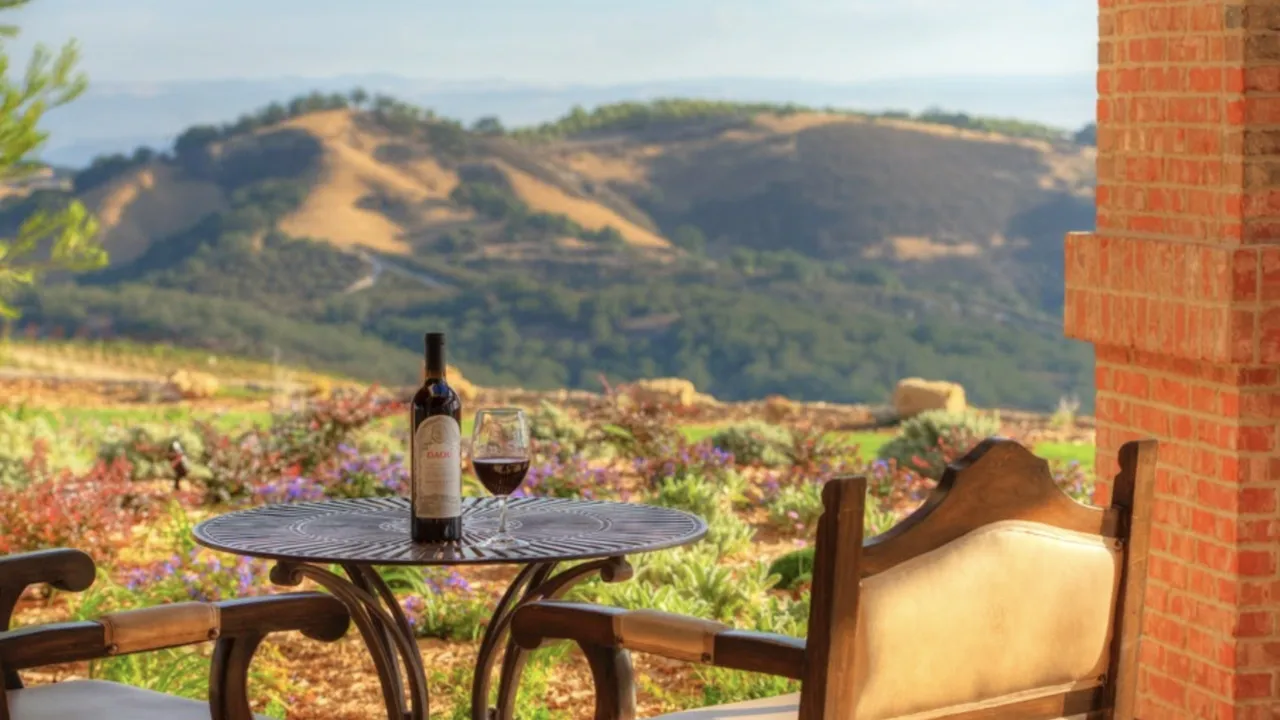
[{"x": 437, "y": 472}]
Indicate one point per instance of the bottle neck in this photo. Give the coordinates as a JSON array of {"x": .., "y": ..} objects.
[{"x": 435, "y": 361}]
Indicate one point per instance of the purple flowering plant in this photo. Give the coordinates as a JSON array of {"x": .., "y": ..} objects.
[
  {"x": 552, "y": 474},
  {"x": 359, "y": 475},
  {"x": 198, "y": 575},
  {"x": 681, "y": 459},
  {"x": 439, "y": 603}
]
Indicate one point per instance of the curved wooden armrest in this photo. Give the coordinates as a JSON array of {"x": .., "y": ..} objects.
[
  {"x": 674, "y": 636},
  {"x": 316, "y": 615},
  {"x": 64, "y": 569}
]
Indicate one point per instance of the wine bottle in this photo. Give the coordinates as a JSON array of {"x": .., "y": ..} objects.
[{"x": 435, "y": 448}]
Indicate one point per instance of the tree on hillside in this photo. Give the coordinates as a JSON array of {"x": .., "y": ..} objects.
[
  {"x": 358, "y": 97},
  {"x": 191, "y": 148},
  {"x": 1087, "y": 135},
  {"x": 60, "y": 238},
  {"x": 488, "y": 125}
]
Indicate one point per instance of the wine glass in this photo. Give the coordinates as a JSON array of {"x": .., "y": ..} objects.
[{"x": 500, "y": 454}]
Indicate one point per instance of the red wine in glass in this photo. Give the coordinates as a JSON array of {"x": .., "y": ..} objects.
[
  {"x": 500, "y": 454},
  {"x": 501, "y": 476}
]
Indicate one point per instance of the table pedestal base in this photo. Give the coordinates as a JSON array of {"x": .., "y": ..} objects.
[
  {"x": 382, "y": 624},
  {"x": 394, "y": 648},
  {"x": 535, "y": 582}
]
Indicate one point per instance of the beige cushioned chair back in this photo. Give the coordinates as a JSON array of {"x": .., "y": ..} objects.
[{"x": 1011, "y": 610}]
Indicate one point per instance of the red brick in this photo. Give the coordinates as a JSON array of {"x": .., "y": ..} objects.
[
  {"x": 1182, "y": 547},
  {"x": 1263, "y": 376},
  {"x": 1260, "y": 531},
  {"x": 1169, "y": 632},
  {"x": 1255, "y": 624},
  {"x": 1256, "y": 685},
  {"x": 1269, "y": 336},
  {"x": 1255, "y": 563},
  {"x": 1199, "y": 705},
  {"x": 1204, "y": 399},
  {"x": 1257, "y": 439},
  {"x": 1215, "y": 556},
  {"x": 1255, "y": 594},
  {"x": 1171, "y": 691},
  {"x": 1243, "y": 332},
  {"x": 1269, "y": 269},
  {"x": 1245, "y": 274},
  {"x": 1256, "y": 501}
]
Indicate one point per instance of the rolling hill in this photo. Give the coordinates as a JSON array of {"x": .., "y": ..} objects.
[{"x": 754, "y": 249}]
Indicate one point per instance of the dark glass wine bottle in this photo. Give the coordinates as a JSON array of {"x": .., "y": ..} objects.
[{"x": 435, "y": 449}]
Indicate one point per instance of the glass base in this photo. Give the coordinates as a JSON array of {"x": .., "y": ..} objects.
[{"x": 503, "y": 542}]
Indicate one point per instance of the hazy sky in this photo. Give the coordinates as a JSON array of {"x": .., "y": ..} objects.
[{"x": 562, "y": 41}]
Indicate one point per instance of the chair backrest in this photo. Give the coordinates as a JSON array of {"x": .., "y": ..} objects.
[{"x": 1000, "y": 594}]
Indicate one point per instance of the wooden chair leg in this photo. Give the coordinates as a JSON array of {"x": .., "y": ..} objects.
[
  {"x": 614, "y": 682},
  {"x": 229, "y": 681}
]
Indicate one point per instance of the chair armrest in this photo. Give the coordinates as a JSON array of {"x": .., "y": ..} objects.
[
  {"x": 316, "y": 615},
  {"x": 64, "y": 569},
  {"x": 674, "y": 636}
]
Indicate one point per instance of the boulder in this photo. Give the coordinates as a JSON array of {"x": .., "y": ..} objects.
[
  {"x": 465, "y": 388},
  {"x": 673, "y": 391},
  {"x": 191, "y": 385},
  {"x": 913, "y": 396},
  {"x": 778, "y": 409},
  {"x": 321, "y": 387}
]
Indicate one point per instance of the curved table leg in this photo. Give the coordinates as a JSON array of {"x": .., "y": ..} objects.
[
  {"x": 538, "y": 583},
  {"x": 383, "y": 626}
]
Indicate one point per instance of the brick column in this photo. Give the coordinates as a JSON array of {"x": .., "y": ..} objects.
[{"x": 1179, "y": 290}]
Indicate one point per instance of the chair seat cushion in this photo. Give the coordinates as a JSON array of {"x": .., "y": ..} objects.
[
  {"x": 100, "y": 700},
  {"x": 783, "y": 707}
]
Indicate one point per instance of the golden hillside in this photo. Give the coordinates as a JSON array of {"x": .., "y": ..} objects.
[{"x": 822, "y": 184}]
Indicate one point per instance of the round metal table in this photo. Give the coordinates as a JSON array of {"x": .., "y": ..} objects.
[{"x": 360, "y": 534}]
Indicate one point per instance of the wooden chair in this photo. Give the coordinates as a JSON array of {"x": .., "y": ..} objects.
[
  {"x": 1000, "y": 597},
  {"x": 236, "y": 626}
]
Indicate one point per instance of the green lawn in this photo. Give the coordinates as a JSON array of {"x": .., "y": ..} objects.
[
  {"x": 869, "y": 444},
  {"x": 1067, "y": 452}
]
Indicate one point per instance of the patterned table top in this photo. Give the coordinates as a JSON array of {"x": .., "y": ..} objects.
[{"x": 375, "y": 531}]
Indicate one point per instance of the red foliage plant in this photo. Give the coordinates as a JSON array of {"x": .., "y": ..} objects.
[
  {"x": 303, "y": 443},
  {"x": 95, "y": 511}
]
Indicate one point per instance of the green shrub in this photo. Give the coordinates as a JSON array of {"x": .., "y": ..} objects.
[
  {"x": 380, "y": 440},
  {"x": 640, "y": 594},
  {"x": 687, "y": 581},
  {"x": 714, "y": 503},
  {"x": 930, "y": 440},
  {"x": 796, "y": 508},
  {"x": 755, "y": 443},
  {"x": 796, "y": 568},
  {"x": 147, "y": 448},
  {"x": 721, "y": 686},
  {"x": 30, "y": 444},
  {"x": 556, "y": 431}
]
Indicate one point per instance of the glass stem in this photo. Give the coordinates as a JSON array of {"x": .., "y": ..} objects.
[{"x": 502, "y": 515}]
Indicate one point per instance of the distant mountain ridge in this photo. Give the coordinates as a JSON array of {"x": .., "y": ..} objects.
[
  {"x": 752, "y": 248},
  {"x": 117, "y": 117}
]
